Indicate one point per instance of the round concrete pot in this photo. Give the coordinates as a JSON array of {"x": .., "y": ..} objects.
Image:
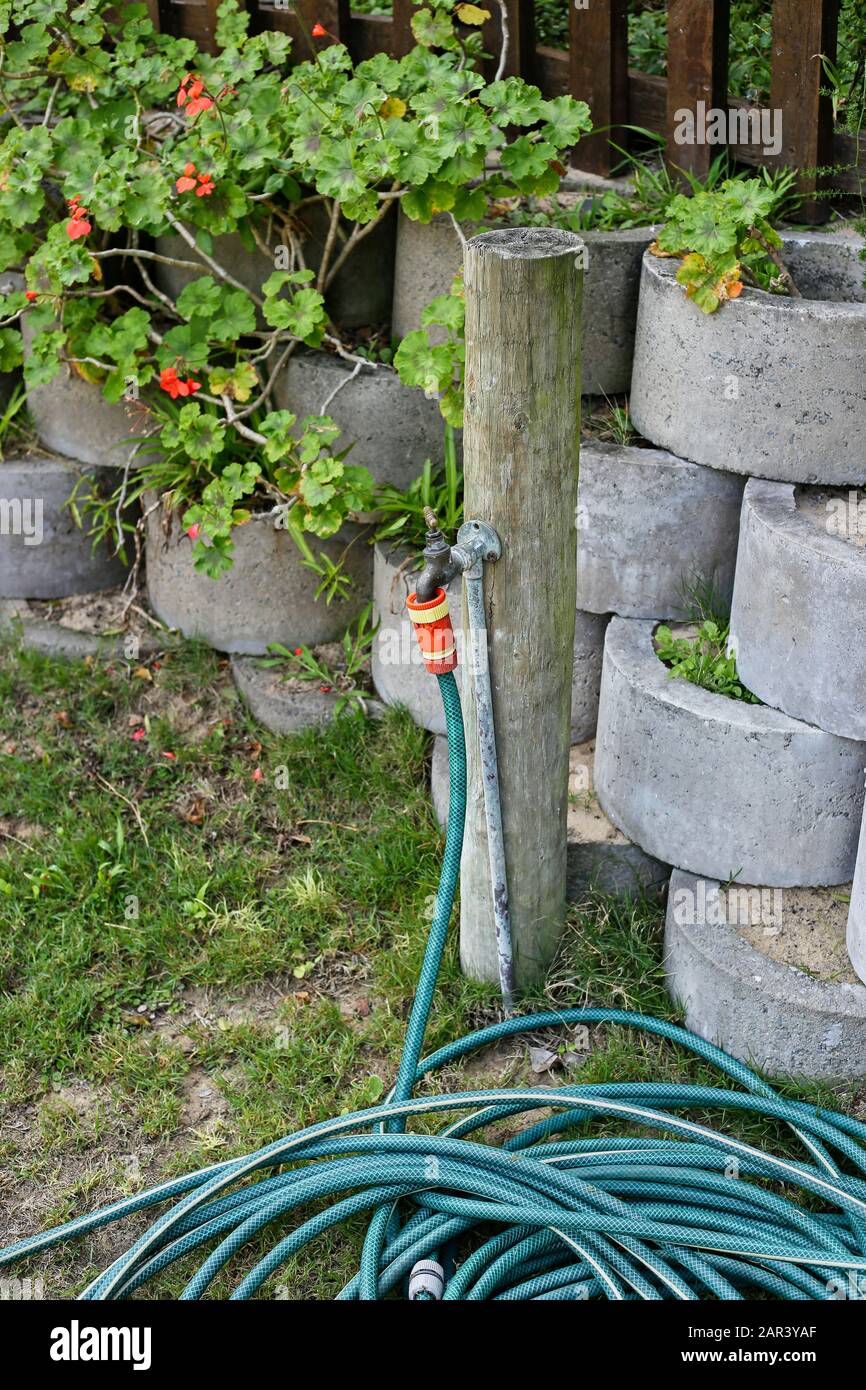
[
  {"x": 731, "y": 958},
  {"x": 359, "y": 296},
  {"x": 650, "y": 528},
  {"x": 43, "y": 554},
  {"x": 400, "y": 678},
  {"x": 73, "y": 418},
  {"x": 392, "y": 428},
  {"x": 799, "y": 601},
  {"x": 280, "y": 708},
  {"x": 856, "y": 936},
  {"x": 599, "y": 858},
  {"x": 429, "y": 254},
  {"x": 768, "y": 386},
  {"x": 718, "y": 786},
  {"x": 267, "y": 596}
]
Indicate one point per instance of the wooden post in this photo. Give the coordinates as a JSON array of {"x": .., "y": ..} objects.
[
  {"x": 697, "y": 72},
  {"x": 598, "y": 74},
  {"x": 803, "y": 30},
  {"x": 524, "y": 289}
]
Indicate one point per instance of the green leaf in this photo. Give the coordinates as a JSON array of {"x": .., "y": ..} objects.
[{"x": 202, "y": 296}]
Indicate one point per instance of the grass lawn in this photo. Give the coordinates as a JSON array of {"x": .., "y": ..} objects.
[{"x": 209, "y": 937}]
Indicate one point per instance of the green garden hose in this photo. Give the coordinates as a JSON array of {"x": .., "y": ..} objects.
[{"x": 556, "y": 1212}]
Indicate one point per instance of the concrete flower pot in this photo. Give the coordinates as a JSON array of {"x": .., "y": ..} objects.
[
  {"x": 429, "y": 254},
  {"x": 359, "y": 296},
  {"x": 400, "y": 678},
  {"x": 73, "y": 418},
  {"x": 856, "y": 935},
  {"x": 267, "y": 596},
  {"x": 281, "y": 707},
  {"x": 599, "y": 858},
  {"x": 762, "y": 974},
  {"x": 717, "y": 786},
  {"x": 799, "y": 601},
  {"x": 43, "y": 554},
  {"x": 768, "y": 386},
  {"x": 393, "y": 428},
  {"x": 650, "y": 526}
]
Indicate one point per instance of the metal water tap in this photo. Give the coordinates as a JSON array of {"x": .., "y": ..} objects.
[{"x": 476, "y": 542}]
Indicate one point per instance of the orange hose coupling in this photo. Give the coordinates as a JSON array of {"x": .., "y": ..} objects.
[{"x": 434, "y": 632}]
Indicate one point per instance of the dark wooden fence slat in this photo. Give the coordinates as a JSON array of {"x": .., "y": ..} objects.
[
  {"x": 520, "y": 18},
  {"x": 297, "y": 17},
  {"x": 802, "y": 31},
  {"x": 402, "y": 38},
  {"x": 192, "y": 19},
  {"x": 598, "y": 74},
  {"x": 698, "y": 33}
]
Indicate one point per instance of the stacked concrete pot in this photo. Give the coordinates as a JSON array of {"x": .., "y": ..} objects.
[
  {"x": 44, "y": 554},
  {"x": 797, "y": 620},
  {"x": 761, "y": 798}
]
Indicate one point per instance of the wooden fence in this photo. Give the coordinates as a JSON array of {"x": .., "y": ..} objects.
[{"x": 595, "y": 68}]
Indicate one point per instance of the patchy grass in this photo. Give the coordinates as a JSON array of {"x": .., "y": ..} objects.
[{"x": 195, "y": 958}]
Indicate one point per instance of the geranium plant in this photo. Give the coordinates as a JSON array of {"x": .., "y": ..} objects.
[
  {"x": 117, "y": 135},
  {"x": 725, "y": 241}
]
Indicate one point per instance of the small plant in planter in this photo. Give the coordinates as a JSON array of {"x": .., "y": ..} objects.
[
  {"x": 725, "y": 241},
  {"x": 440, "y": 490},
  {"x": 703, "y": 659},
  {"x": 340, "y": 668}
]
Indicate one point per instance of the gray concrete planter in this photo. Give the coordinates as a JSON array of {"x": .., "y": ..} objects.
[
  {"x": 799, "y": 601},
  {"x": 717, "y": 786},
  {"x": 768, "y": 386},
  {"x": 856, "y": 936},
  {"x": 278, "y": 707},
  {"x": 73, "y": 418},
  {"x": 429, "y": 254},
  {"x": 392, "y": 428},
  {"x": 267, "y": 596},
  {"x": 732, "y": 958},
  {"x": 400, "y": 677},
  {"x": 600, "y": 859},
  {"x": 650, "y": 526},
  {"x": 43, "y": 554},
  {"x": 359, "y": 296}
]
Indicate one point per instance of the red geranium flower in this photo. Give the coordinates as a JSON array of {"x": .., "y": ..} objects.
[
  {"x": 205, "y": 185},
  {"x": 78, "y": 224},
  {"x": 171, "y": 382},
  {"x": 193, "y": 531},
  {"x": 31, "y": 295},
  {"x": 186, "y": 180},
  {"x": 193, "y": 96},
  {"x": 319, "y": 31}
]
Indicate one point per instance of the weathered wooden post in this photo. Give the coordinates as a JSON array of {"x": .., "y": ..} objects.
[{"x": 524, "y": 289}]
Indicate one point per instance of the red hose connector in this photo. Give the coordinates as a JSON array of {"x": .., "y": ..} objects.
[{"x": 434, "y": 632}]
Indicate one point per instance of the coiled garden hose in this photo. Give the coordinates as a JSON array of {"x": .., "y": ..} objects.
[{"x": 556, "y": 1212}]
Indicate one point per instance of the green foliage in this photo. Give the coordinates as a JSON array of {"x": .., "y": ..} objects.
[
  {"x": 117, "y": 134},
  {"x": 440, "y": 489},
  {"x": 437, "y": 367},
  {"x": 347, "y": 676},
  {"x": 724, "y": 239},
  {"x": 703, "y": 660}
]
